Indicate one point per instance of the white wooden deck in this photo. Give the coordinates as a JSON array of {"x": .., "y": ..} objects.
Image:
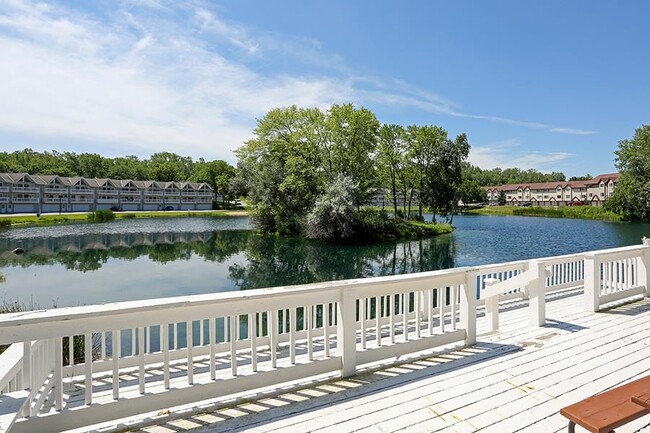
[{"x": 515, "y": 380}]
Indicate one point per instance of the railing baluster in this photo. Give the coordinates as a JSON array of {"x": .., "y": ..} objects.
[
  {"x": 132, "y": 341},
  {"x": 273, "y": 337},
  {"x": 164, "y": 335},
  {"x": 103, "y": 345},
  {"x": 454, "y": 297},
  {"x": 442, "y": 291},
  {"x": 418, "y": 313},
  {"x": 309, "y": 325},
  {"x": 115, "y": 354},
  {"x": 405, "y": 321},
  {"x": 201, "y": 332},
  {"x": 378, "y": 306},
  {"x": 292, "y": 335},
  {"x": 362, "y": 318},
  {"x": 212, "y": 336},
  {"x": 175, "y": 328},
  {"x": 233, "y": 345},
  {"x": 429, "y": 301},
  {"x": 71, "y": 350},
  {"x": 88, "y": 355},
  {"x": 252, "y": 334},
  {"x": 391, "y": 316},
  {"x": 58, "y": 374},
  {"x": 189, "y": 337},
  {"x": 148, "y": 339},
  {"x": 141, "y": 376},
  {"x": 326, "y": 328}
]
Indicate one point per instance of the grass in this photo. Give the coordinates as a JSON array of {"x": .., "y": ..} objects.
[
  {"x": 578, "y": 212},
  {"x": 434, "y": 229},
  {"x": 10, "y": 221}
]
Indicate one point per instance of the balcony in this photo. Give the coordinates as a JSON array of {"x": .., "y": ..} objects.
[
  {"x": 153, "y": 192},
  {"x": 81, "y": 199},
  {"x": 107, "y": 191},
  {"x": 107, "y": 200},
  {"x": 172, "y": 199},
  {"x": 82, "y": 191},
  {"x": 498, "y": 347},
  {"x": 153, "y": 200},
  {"x": 57, "y": 190},
  {"x": 4, "y": 189},
  {"x": 25, "y": 200},
  {"x": 55, "y": 200},
  {"x": 23, "y": 189},
  {"x": 188, "y": 193},
  {"x": 4, "y": 199}
]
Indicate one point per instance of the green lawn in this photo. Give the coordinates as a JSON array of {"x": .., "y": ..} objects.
[
  {"x": 9, "y": 220},
  {"x": 580, "y": 212}
]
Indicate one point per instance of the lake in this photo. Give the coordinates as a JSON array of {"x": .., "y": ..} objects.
[{"x": 149, "y": 258}]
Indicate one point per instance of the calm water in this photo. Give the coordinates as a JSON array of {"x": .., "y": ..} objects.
[{"x": 140, "y": 259}]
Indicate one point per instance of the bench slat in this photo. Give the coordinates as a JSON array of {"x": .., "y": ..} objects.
[{"x": 606, "y": 411}]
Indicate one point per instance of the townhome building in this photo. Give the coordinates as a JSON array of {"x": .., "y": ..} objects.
[
  {"x": 27, "y": 193},
  {"x": 594, "y": 192}
]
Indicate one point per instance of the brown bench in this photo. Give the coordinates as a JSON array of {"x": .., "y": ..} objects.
[{"x": 604, "y": 412}]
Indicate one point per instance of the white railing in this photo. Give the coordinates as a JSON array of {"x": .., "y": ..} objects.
[
  {"x": 107, "y": 200},
  {"x": 4, "y": 189},
  {"x": 134, "y": 357},
  {"x": 74, "y": 199},
  {"x": 25, "y": 199},
  {"x": 4, "y": 199},
  {"x": 25, "y": 189}
]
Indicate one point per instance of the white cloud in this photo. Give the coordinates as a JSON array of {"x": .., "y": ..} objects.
[
  {"x": 572, "y": 131},
  {"x": 146, "y": 82},
  {"x": 504, "y": 154}
]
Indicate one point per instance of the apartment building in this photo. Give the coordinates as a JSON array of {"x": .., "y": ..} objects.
[
  {"x": 594, "y": 192},
  {"x": 26, "y": 193}
]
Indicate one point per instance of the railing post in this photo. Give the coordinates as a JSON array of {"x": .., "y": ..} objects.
[
  {"x": 492, "y": 307},
  {"x": 346, "y": 328},
  {"x": 27, "y": 375},
  {"x": 644, "y": 269},
  {"x": 537, "y": 294},
  {"x": 468, "y": 308},
  {"x": 592, "y": 282}
]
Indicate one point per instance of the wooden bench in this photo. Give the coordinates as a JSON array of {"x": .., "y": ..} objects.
[{"x": 604, "y": 412}]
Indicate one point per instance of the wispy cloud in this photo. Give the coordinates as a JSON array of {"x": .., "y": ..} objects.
[
  {"x": 505, "y": 154},
  {"x": 154, "y": 75},
  {"x": 572, "y": 131}
]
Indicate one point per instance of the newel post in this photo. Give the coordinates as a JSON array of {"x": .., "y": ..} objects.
[
  {"x": 346, "y": 331},
  {"x": 468, "y": 308},
  {"x": 537, "y": 294},
  {"x": 644, "y": 269},
  {"x": 492, "y": 307},
  {"x": 592, "y": 282}
]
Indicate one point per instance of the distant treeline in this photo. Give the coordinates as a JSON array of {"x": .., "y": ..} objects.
[
  {"x": 499, "y": 176},
  {"x": 162, "y": 166}
]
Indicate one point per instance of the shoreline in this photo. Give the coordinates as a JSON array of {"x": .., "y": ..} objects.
[
  {"x": 19, "y": 220},
  {"x": 579, "y": 212}
]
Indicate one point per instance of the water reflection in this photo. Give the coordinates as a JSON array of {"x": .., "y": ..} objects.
[{"x": 107, "y": 267}]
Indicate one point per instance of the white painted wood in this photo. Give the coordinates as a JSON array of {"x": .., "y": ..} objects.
[
  {"x": 164, "y": 345},
  {"x": 189, "y": 339},
  {"x": 141, "y": 366},
  {"x": 592, "y": 282},
  {"x": 116, "y": 350},
  {"x": 234, "y": 324},
  {"x": 468, "y": 308},
  {"x": 537, "y": 294},
  {"x": 346, "y": 340},
  {"x": 292, "y": 335},
  {"x": 58, "y": 374},
  {"x": 88, "y": 361},
  {"x": 212, "y": 335}
]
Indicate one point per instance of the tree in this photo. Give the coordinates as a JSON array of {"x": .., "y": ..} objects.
[
  {"x": 353, "y": 140},
  {"x": 391, "y": 157},
  {"x": 471, "y": 192},
  {"x": 585, "y": 177},
  {"x": 218, "y": 174},
  {"x": 502, "y": 198},
  {"x": 283, "y": 169},
  {"x": 167, "y": 167},
  {"x": 632, "y": 195}
]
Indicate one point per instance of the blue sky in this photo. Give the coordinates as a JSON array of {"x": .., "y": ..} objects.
[{"x": 551, "y": 85}]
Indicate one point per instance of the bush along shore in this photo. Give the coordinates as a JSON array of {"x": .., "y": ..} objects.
[
  {"x": 579, "y": 212},
  {"x": 106, "y": 215}
]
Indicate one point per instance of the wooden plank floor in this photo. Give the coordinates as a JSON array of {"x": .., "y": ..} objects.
[{"x": 515, "y": 380}]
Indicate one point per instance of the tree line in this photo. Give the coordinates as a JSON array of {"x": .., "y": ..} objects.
[{"x": 161, "y": 166}]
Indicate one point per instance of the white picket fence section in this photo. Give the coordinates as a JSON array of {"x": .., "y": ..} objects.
[{"x": 85, "y": 365}]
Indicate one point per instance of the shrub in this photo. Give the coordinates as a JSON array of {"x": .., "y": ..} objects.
[
  {"x": 333, "y": 214},
  {"x": 101, "y": 215},
  {"x": 5, "y": 222},
  {"x": 128, "y": 215}
]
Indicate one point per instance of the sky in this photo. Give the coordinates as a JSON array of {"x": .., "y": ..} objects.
[{"x": 550, "y": 85}]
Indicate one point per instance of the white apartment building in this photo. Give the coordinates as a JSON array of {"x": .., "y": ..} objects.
[
  {"x": 594, "y": 192},
  {"x": 26, "y": 193}
]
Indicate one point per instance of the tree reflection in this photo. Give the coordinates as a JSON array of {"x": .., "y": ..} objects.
[{"x": 268, "y": 261}]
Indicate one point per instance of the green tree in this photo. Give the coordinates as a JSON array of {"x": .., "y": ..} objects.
[
  {"x": 391, "y": 157},
  {"x": 218, "y": 174},
  {"x": 283, "y": 169},
  {"x": 167, "y": 167},
  {"x": 632, "y": 195},
  {"x": 471, "y": 192},
  {"x": 353, "y": 140}
]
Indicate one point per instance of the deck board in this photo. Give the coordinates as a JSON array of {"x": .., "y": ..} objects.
[{"x": 513, "y": 380}]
